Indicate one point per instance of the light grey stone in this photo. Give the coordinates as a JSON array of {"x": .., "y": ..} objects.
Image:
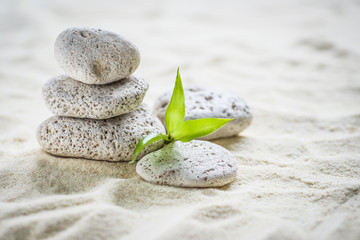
[
  {"x": 95, "y": 56},
  {"x": 65, "y": 96},
  {"x": 210, "y": 103},
  {"x": 191, "y": 164},
  {"x": 111, "y": 139}
]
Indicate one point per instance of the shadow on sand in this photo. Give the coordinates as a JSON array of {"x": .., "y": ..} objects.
[{"x": 67, "y": 175}]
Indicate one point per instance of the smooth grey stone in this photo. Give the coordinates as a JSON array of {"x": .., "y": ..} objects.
[
  {"x": 210, "y": 103},
  {"x": 95, "y": 56},
  {"x": 191, "y": 164},
  {"x": 111, "y": 139},
  {"x": 65, "y": 96}
]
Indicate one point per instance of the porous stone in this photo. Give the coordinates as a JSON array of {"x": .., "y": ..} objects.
[
  {"x": 95, "y": 56},
  {"x": 111, "y": 139},
  {"x": 191, "y": 164},
  {"x": 65, "y": 96},
  {"x": 210, "y": 103}
]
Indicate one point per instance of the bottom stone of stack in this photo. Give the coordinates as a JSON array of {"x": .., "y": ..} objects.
[{"x": 111, "y": 139}]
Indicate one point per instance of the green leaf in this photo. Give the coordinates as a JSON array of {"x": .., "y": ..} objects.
[
  {"x": 175, "y": 111},
  {"x": 192, "y": 129},
  {"x": 145, "y": 141}
]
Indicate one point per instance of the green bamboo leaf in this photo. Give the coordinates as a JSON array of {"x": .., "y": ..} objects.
[
  {"x": 192, "y": 129},
  {"x": 175, "y": 111},
  {"x": 145, "y": 141}
]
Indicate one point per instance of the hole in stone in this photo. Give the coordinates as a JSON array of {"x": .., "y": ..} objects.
[
  {"x": 193, "y": 89},
  {"x": 84, "y": 34},
  {"x": 164, "y": 104},
  {"x": 234, "y": 106}
]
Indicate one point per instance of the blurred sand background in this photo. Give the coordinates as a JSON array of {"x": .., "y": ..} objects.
[{"x": 296, "y": 63}]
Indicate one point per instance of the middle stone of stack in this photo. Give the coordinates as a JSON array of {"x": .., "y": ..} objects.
[
  {"x": 65, "y": 96},
  {"x": 97, "y": 103}
]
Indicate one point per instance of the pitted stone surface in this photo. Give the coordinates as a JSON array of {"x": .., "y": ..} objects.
[
  {"x": 95, "y": 56},
  {"x": 111, "y": 139},
  {"x": 210, "y": 103},
  {"x": 65, "y": 96},
  {"x": 191, "y": 164}
]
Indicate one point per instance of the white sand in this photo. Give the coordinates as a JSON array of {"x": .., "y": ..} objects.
[{"x": 297, "y": 63}]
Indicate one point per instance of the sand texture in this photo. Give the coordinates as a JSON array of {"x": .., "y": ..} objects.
[{"x": 296, "y": 64}]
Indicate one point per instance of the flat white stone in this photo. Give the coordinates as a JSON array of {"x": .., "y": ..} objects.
[
  {"x": 192, "y": 164},
  {"x": 210, "y": 103},
  {"x": 95, "y": 56},
  {"x": 111, "y": 139},
  {"x": 65, "y": 96}
]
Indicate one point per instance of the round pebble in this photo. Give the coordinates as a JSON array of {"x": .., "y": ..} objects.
[
  {"x": 95, "y": 56},
  {"x": 191, "y": 164},
  {"x": 210, "y": 103},
  {"x": 111, "y": 139},
  {"x": 65, "y": 96}
]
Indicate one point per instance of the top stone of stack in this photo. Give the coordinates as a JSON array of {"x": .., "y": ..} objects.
[{"x": 95, "y": 56}]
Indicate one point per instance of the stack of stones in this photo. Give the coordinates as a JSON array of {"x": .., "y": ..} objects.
[
  {"x": 97, "y": 102},
  {"x": 100, "y": 115}
]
